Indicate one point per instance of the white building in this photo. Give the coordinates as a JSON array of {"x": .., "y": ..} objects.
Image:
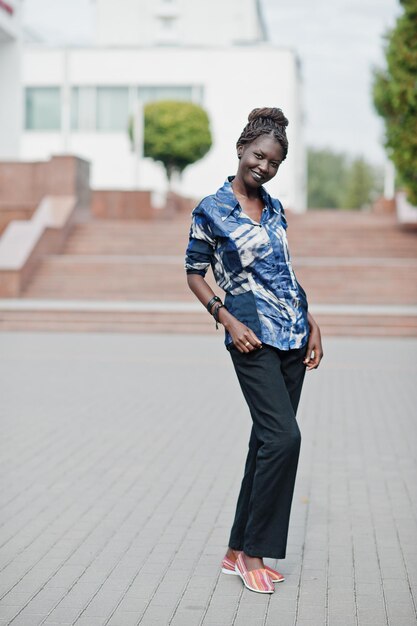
[
  {"x": 179, "y": 22},
  {"x": 10, "y": 78},
  {"x": 78, "y": 100}
]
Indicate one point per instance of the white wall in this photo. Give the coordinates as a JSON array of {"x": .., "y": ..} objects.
[
  {"x": 11, "y": 105},
  {"x": 203, "y": 22},
  {"x": 235, "y": 80}
]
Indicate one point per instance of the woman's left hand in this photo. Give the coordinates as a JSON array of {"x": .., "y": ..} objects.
[{"x": 314, "y": 352}]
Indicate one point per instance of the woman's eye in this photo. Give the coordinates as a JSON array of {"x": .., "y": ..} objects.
[{"x": 258, "y": 156}]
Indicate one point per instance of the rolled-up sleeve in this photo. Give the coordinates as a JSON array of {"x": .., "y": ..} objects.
[{"x": 201, "y": 245}]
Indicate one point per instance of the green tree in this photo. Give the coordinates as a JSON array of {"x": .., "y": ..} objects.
[
  {"x": 360, "y": 184},
  {"x": 395, "y": 96},
  {"x": 337, "y": 182},
  {"x": 175, "y": 133},
  {"x": 326, "y": 178}
]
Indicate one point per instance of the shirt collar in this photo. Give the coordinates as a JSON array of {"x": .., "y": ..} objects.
[{"x": 227, "y": 202}]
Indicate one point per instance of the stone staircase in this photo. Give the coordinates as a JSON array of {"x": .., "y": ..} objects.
[{"x": 358, "y": 269}]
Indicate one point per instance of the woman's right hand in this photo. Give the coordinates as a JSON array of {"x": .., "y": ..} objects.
[{"x": 243, "y": 337}]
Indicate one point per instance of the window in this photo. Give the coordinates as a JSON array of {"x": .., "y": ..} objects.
[
  {"x": 112, "y": 108},
  {"x": 83, "y": 108},
  {"x": 43, "y": 108},
  {"x": 99, "y": 108},
  {"x": 153, "y": 93}
]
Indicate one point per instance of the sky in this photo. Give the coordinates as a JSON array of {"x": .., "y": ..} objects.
[{"x": 338, "y": 42}]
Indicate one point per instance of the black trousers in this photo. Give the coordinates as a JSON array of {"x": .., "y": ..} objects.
[{"x": 271, "y": 381}]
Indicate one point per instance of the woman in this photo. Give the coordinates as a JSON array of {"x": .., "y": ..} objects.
[{"x": 271, "y": 337}]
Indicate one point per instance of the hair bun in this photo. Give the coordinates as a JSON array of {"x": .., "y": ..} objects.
[
  {"x": 273, "y": 114},
  {"x": 265, "y": 121}
]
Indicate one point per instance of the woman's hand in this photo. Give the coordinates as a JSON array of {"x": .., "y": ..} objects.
[
  {"x": 314, "y": 352},
  {"x": 243, "y": 337}
]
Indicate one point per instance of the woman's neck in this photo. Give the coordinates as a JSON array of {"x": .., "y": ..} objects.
[{"x": 240, "y": 189}]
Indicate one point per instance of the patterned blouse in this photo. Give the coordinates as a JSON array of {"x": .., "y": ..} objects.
[{"x": 251, "y": 263}]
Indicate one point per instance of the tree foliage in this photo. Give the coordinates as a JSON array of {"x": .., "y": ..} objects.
[
  {"x": 359, "y": 189},
  {"x": 395, "y": 96},
  {"x": 337, "y": 182},
  {"x": 176, "y": 133},
  {"x": 326, "y": 178}
]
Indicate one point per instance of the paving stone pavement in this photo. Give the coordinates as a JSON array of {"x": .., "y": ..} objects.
[{"x": 121, "y": 461}]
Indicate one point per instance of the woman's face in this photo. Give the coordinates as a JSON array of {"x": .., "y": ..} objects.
[{"x": 259, "y": 160}]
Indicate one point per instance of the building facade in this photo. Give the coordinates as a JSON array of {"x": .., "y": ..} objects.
[
  {"x": 79, "y": 100},
  {"x": 10, "y": 78},
  {"x": 179, "y": 22}
]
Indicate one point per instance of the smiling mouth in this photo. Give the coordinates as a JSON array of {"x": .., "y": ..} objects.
[{"x": 257, "y": 176}]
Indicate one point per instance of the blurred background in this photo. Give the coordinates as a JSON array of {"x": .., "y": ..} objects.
[{"x": 116, "y": 118}]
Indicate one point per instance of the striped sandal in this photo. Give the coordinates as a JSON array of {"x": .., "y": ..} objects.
[
  {"x": 256, "y": 579},
  {"x": 228, "y": 567}
]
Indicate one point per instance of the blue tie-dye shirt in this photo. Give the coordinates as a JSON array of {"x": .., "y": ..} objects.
[{"x": 251, "y": 263}]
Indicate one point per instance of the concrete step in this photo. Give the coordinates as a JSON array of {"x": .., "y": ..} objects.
[
  {"x": 341, "y": 258},
  {"x": 148, "y": 278},
  {"x": 192, "y": 322},
  {"x": 343, "y": 234},
  {"x": 100, "y": 237}
]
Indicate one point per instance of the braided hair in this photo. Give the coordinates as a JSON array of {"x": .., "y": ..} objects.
[{"x": 265, "y": 121}]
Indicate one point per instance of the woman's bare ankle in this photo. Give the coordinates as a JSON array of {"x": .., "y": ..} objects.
[
  {"x": 232, "y": 554},
  {"x": 253, "y": 562}
]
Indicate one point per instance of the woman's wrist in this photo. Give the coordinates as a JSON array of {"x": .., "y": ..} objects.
[
  {"x": 311, "y": 321},
  {"x": 211, "y": 304},
  {"x": 224, "y": 317}
]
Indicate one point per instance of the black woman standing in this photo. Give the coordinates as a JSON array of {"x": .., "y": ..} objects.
[{"x": 240, "y": 231}]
